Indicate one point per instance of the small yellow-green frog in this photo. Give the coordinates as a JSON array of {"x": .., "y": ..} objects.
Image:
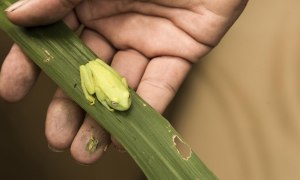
[{"x": 110, "y": 88}]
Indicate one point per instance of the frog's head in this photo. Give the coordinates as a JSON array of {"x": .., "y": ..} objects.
[{"x": 121, "y": 103}]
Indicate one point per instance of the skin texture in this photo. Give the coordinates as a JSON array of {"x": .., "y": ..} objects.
[{"x": 153, "y": 44}]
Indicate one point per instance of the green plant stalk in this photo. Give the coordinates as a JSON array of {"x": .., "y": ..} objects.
[{"x": 147, "y": 136}]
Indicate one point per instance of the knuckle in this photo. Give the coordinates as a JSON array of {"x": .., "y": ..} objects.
[
  {"x": 161, "y": 84},
  {"x": 69, "y": 4}
]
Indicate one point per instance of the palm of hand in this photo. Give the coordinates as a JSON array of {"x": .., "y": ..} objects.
[
  {"x": 151, "y": 29},
  {"x": 185, "y": 29}
]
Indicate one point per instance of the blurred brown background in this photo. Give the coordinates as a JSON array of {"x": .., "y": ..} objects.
[{"x": 238, "y": 109}]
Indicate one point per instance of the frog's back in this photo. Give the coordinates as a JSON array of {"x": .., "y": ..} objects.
[{"x": 110, "y": 81}]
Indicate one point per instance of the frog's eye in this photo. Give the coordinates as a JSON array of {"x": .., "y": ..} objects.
[{"x": 114, "y": 103}]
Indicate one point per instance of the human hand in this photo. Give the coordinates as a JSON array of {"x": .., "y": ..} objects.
[{"x": 152, "y": 43}]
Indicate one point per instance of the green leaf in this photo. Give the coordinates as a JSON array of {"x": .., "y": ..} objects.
[{"x": 147, "y": 136}]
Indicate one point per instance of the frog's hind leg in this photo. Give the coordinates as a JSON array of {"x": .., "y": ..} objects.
[
  {"x": 102, "y": 98},
  {"x": 124, "y": 81},
  {"x": 87, "y": 85}
]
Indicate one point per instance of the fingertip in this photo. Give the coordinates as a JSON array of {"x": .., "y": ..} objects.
[
  {"x": 62, "y": 121},
  {"x": 83, "y": 156},
  {"x": 90, "y": 142},
  {"x": 15, "y": 6},
  {"x": 17, "y": 76},
  {"x": 36, "y": 12},
  {"x": 19, "y": 91},
  {"x": 9, "y": 96},
  {"x": 54, "y": 149}
]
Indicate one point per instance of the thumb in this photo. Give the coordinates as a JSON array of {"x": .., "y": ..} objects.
[{"x": 39, "y": 12}]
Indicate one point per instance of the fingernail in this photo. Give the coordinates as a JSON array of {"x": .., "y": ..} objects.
[
  {"x": 53, "y": 149},
  {"x": 15, "y": 6}
]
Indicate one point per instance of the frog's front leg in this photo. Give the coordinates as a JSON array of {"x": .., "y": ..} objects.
[
  {"x": 124, "y": 81},
  {"x": 102, "y": 98},
  {"x": 87, "y": 83}
]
